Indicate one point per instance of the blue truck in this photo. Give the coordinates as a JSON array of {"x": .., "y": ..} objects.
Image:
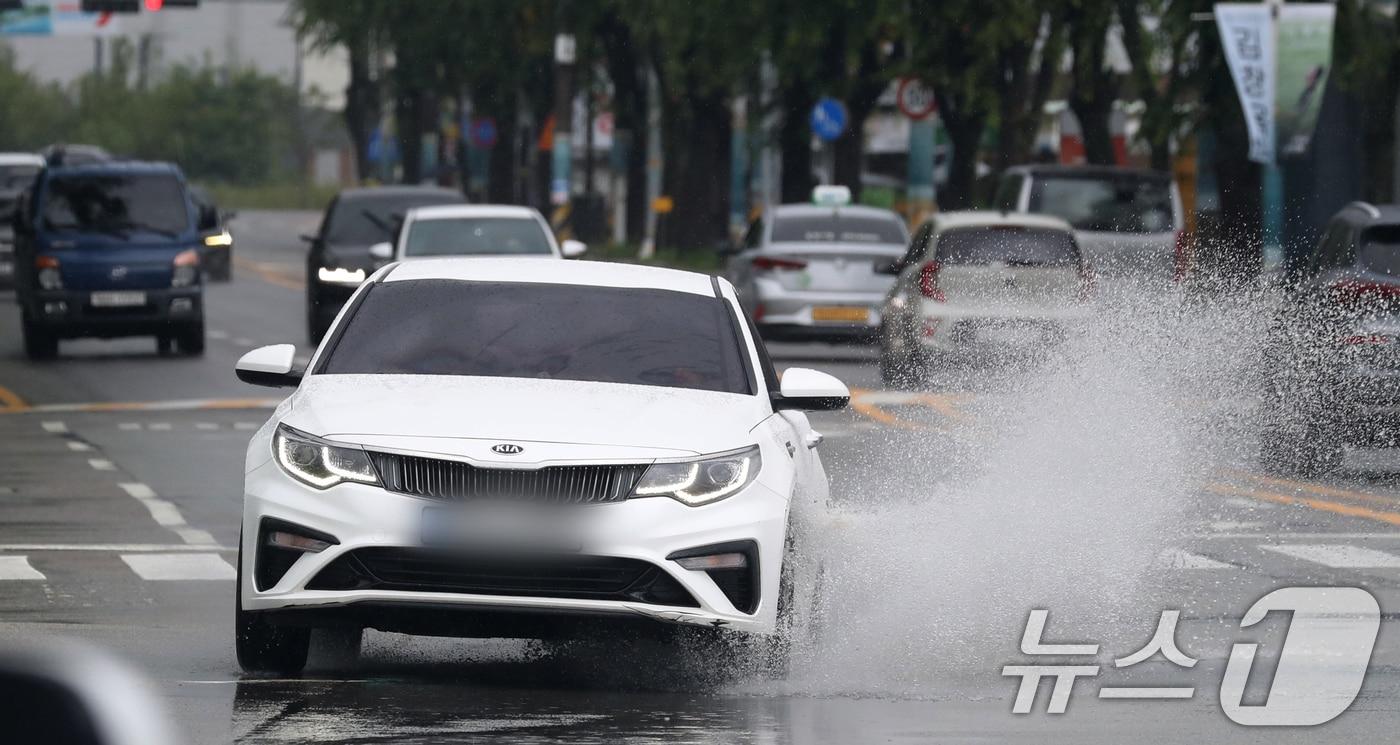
[{"x": 109, "y": 250}]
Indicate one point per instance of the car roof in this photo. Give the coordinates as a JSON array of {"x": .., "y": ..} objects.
[
  {"x": 117, "y": 166},
  {"x": 803, "y": 209},
  {"x": 447, "y": 211},
  {"x": 21, "y": 159},
  {"x": 1088, "y": 171},
  {"x": 991, "y": 218},
  {"x": 376, "y": 192},
  {"x": 537, "y": 270},
  {"x": 1365, "y": 214}
]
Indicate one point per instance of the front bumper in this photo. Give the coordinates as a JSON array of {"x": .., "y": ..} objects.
[
  {"x": 70, "y": 313},
  {"x": 807, "y": 313},
  {"x": 366, "y": 519}
]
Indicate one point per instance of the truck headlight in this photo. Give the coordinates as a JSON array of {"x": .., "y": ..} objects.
[
  {"x": 319, "y": 463},
  {"x": 701, "y": 481},
  {"x": 47, "y": 274}
]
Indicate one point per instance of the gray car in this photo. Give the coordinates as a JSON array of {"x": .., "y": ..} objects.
[{"x": 808, "y": 271}]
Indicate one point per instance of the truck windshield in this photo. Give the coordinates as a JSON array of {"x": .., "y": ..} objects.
[{"x": 117, "y": 203}]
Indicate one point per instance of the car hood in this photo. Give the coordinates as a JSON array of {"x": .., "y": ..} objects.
[{"x": 552, "y": 420}]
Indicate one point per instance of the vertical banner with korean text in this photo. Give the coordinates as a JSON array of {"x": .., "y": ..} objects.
[
  {"x": 1246, "y": 33},
  {"x": 1304, "y": 39}
]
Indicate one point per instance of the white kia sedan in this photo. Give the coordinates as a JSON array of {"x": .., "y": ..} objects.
[
  {"x": 442, "y": 231},
  {"x": 515, "y": 448},
  {"x": 985, "y": 286}
]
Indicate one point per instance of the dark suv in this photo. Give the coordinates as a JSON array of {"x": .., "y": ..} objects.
[
  {"x": 108, "y": 250},
  {"x": 1332, "y": 362},
  {"x": 339, "y": 258}
]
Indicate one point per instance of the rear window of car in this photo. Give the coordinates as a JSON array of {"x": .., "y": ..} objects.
[
  {"x": 837, "y": 228},
  {"x": 1380, "y": 250},
  {"x": 1007, "y": 245},
  {"x": 368, "y": 220},
  {"x": 116, "y": 202},
  {"x": 551, "y": 331},
  {"x": 1114, "y": 204},
  {"x": 477, "y": 236}
]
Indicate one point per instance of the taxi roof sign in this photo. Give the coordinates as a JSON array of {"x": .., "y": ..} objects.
[{"x": 828, "y": 195}]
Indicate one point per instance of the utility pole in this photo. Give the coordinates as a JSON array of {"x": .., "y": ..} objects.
[{"x": 565, "y": 53}]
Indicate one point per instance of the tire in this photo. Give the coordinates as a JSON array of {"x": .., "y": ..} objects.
[
  {"x": 220, "y": 270},
  {"x": 260, "y": 646},
  {"x": 191, "y": 340},
  {"x": 899, "y": 368},
  {"x": 1300, "y": 451},
  {"x": 39, "y": 343},
  {"x": 338, "y": 646},
  {"x": 164, "y": 344}
]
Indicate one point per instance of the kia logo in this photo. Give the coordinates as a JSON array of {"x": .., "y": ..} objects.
[
  {"x": 119, "y": 272},
  {"x": 507, "y": 448}
]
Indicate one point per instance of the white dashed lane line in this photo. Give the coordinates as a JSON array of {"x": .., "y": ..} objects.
[
  {"x": 18, "y": 568},
  {"x": 168, "y": 567},
  {"x": 1339, "y": 556},
  {"x": 56, "y": 428},
  {"x": 101, "y": 464},
  {"x": 167, "y": 515},
  {"x": 79, "y": 447}
]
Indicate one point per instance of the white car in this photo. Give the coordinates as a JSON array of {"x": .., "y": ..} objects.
[
  {"x": 475, "y": 230},
  {"x": 981, "y": 285},
  {"x": 508, "y": 447}
]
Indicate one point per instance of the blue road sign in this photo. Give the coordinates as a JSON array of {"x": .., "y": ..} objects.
[
  {"x": 829, "y": 119},
  {"x": 483, "y": 132}
]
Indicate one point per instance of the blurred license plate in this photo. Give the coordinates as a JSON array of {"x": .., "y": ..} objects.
[
  {"x": 498, "y": 527},
  {"x": 843, "y": 313},
  {"x": 118, "y": 299}
]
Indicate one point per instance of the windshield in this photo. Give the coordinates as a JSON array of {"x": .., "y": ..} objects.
[
  {"x": 368, "y": 220},
  {"x": 477, "y": 236},
  {"x": 1114, "y": 205},
  {"x": 17, "y": 176},
  {"x": 837, "y": 228},
  {"x": 562, "y": 332},
  {"x": 1008, "y": 245},
  {"x": 116, "y": 202}
]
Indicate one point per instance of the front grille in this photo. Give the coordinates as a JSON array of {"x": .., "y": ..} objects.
[
  {"x": 544, "y": 576},
  {"x": 454, "y": 480}
]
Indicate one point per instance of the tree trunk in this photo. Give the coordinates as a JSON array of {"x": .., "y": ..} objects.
[
  {"x": 361, "y": 108},
  {"x": 698, "y": 129},
  {"x": 407, "y": 114},
  {"x": 1093, "y": 114},
  {"x": 965, "y": 130},
  {"x": 1093, "y": 88},
  {"x": 795, "y": 142}
]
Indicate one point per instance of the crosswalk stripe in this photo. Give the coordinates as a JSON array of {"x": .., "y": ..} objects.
[
  {"x": 1175, "y": 558},
  {"x": 1338, "y": 556},
  {"x": 17, "y": 567},
  {"x": 169, "y": 567}
]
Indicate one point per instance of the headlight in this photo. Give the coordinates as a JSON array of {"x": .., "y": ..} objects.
[
  {"x": 319, "y": 463},
  {"x": 220, "y": 239},
  {"x": 47, "y": 273},
  {"x": 186, "y": 268},
  {"x": 339, "y": 276},
  {"x": 701, "y": 481}
]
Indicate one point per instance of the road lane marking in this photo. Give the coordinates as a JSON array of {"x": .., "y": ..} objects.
[
  {"x": 159, "y": 426},
  {"x": 56, "y": 428},
  {"x": 18, "y": 568},
  {"x": 111, "y": 547},
  {"x": 1322, "y": 505},
  {"x": 206, "y": 426},
  {"x": 174, "y": 405},
  {"x": 129, "y": 426},
  {"x": 175, "y": 567},
  {"x": 167, "y": 515},
  {"x": 11, "y": 401},
  {"x": 79, "y": 447},
  {"x": 1175, "y": 558},
  {"x": 1324, "y": 490},
  {"x": 217, "y": 334},
  {"x": 102, "y": 464},
  {"x": 1338, "y": 556},
  {"x": 1248, "y": 504},
  {"x": 1304, "y": 536}
]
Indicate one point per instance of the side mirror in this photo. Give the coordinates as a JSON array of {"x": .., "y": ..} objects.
[
  {"x": 272, "y": 366},
  {"x": 891, "y": 267},
  {"x": 382, "y": 251},
  {"x": 810, "y": 390},
  {"x": 307, "y": 237},
  {"x": 573, "y": 249}
]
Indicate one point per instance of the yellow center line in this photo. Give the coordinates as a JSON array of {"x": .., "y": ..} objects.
[
  {"x": 873, "y": 411},
  {"x": 1322, "y": 505},
  {"x": 1321, "y": 489},
  {"x": 944, "y": 404},
  {"x": 11, "y": 400}
]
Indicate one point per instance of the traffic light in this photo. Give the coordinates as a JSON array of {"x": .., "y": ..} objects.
[{"x": 110, "y": 6}]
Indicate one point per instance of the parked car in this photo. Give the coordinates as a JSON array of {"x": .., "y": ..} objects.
[
  {"x": 475, "y": 230},
  {"x": 523, "y": 448},
  {"x": 339, "y": 259},
  {"x": 980, "y": 285},
  {"x": 216, "y": 256},
  {"x": 1129, "y": 223},
  {"x": 807, "y": 271},
  {"x": 1332, "y": 359},
  {"x": 109, "y": 250},
  {"x": 17, "y": 172}
]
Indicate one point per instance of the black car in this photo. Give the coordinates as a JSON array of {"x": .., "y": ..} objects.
[
  {"x": 1332, "y": 362},
  {"x": 339, "y": 258},
  {"x": 216, "y": 255}
]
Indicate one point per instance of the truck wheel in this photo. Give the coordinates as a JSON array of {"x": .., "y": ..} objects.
[
  {"x": 39, "y": 343},
  {"x": 261, "y": 646},
  {"x": 191, "y": 341}
]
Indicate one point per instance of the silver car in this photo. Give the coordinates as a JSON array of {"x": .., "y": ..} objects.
[
  {"x": 1128, "y": 222},
  {"x": 808, "y": 271}
]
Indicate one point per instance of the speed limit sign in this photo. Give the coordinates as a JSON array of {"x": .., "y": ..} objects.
[{"x": 915, "y": 98}]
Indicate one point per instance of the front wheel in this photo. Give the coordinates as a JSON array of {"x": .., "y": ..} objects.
[
  {"x": 901, "y": 366},
  {"x": 261, "y": 646},
  {"x": 39, "y": 343},
  {"x": 191, "y": 340}
]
